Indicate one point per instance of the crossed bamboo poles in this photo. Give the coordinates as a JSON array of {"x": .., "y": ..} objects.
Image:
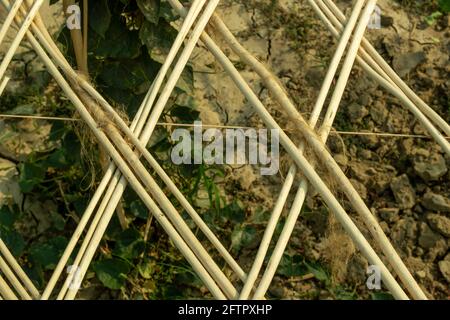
[{"x": 221, "y": 288}]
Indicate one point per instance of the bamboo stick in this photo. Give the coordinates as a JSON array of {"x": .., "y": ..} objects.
[
  {"x": 9, "y": 19},
  {"x": 140, "y": 190},
  {"x": 9, "y": 274},
  {"x": 143, "y": 112},
  {"x": 268, "y": 235},
  {"x": 3, "y": 84},
  {"x": 19, "y": 36},
  {"x": 302, "y": 163},
  {"x": 5, "y": 290},
  {"x": 395, "y": 78},
  {"x": 4, "y": 251}
]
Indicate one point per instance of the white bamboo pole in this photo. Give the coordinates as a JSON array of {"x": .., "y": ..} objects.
[
  {"x": 427, "y": 110},
  {"x": 19, "y": 36},
  {"x": 155, "y": 165},
  {"x": 163, "y": 201},
  {"x": 142, "y": 113},
  {"x": 140, "y": 190},
  {"x": 3, "y": 84},
  {"x": 303, "y": 188},
  {"x": 4, "y": 251},
  {"x": 394, "y": 89},
  {"x": 280, "y": 94},
  {"x": 9, "y": 274},
  {"x": 9, "y": 19},
  {"x": 321, "y": 151},
  {"x": 5, "y": 290},
  {"x": 302, "y": 163},
  {"x": 270, "y": 229}
]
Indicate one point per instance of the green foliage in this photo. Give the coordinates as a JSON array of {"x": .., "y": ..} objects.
[
  {"x": 444, "y": 5},
  {"x": 47, "y": 254},
  {"x": 112, "y": 272},
  {"x": 13, "y": 239}
]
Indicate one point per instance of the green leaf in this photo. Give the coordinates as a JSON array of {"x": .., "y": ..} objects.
[
  {"x": 147, "y": 268},
  {"x": 48, "y": 254},
  {"x": 381, "y": 296},
  {"x": 444, "y": 5},
  {"x": 58, "y": 221},
  {"x": 158, "y": 39},
  {"x": 292, "y": 266},
  {"x": 186, "y": 81},
  {"x": 31, "y": 175},
  {"x": 120, "y": 44},
  {"x": 57, "y": 131},
  {"x": 129, "y": 245},
  {"x": 7, "y": 217},
  {"x": 13, "y": 240},
  {"x": 150, "y": 9},
  {"x": 318, "y": 271},
  {"x": 242, "y": 236},
  {"x": 234, "y": 212},
  {"x": 99, "y": 16},
  {"x": 112, "y": 272},
  {"x": 138, "y": 209}
]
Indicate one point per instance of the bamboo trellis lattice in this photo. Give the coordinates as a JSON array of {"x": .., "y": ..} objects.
[{"x": 125, "y": 146}]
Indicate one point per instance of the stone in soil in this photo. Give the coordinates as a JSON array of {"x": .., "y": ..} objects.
[
  {"x": 436, "y": 202},
  {"x": 405, "y": 63},
  {"x": 428, "y": 237},
  {"x": 389, "y": 214},
  {"x": 404, "y": 233},
  {"x": 439, "y": 223},
  {"x": 430, "y": 168},
  {"x": 403, "y": 192},
  {"x": 444, "y": 267}
]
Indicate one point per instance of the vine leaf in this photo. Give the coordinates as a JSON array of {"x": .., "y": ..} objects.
[
  {"x": 99, "y": 17},
  {"x": 112, "y": 272},
  {"x": 150, "y": 9}
]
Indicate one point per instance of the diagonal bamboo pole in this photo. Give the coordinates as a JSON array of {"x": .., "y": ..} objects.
[
  {"x": 5, "y": 290},
  {"x": 143, "y": 112},
  {"x": 307, "y": 169},
  {"x": 9, "y": 19},
  {"x": 9, "y": 274},
  {"x": 19, "y": 36},
  {"x": 7, "y": 255},
  {"x": 140, "y": 190},
  {"x": 270, "y": 229},
  {"x": 392, "y": 75}
]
